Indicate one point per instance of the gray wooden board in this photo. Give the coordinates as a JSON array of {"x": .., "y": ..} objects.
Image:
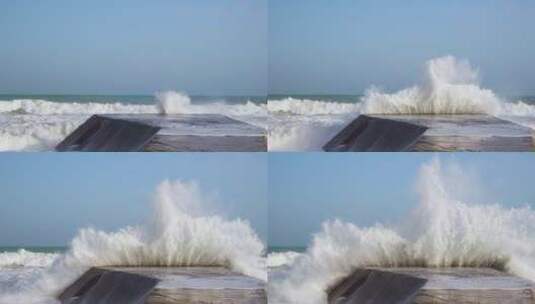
[
  {"x": 152, "y": 132},
  {"x": 442, "y": 285},
  {"x": 470, "y": 286},
  {"x": 440, "y": 133},
  {"x": 195, "y": 143},
  {"x": 102, "y": 134},
  {"x": 376, "y": 287},
  {"x": 163, "y": 285},
  {"x": 374, "y": 134}
]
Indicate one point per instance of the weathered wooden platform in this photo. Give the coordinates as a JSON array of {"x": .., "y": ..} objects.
[
  {"x": 390, "y": 133},
  {"x": 164, "y": 285},
  {"x": 432, "y": 286},
  {"x": 164, "y": 133}
]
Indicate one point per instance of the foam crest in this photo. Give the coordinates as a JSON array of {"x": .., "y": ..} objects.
[
  {"x": 518, "y": 108},
  {"x": 45, "y": 107},
  {"x": 36, "y": 133},
  {"x": 305, "y": 124},
  {"x": 450, "y": 86},
  {"x": 171, "y": 102},
  {"x": 302, "y": 132},
  {"x": 442, "y": 232},
  {"x": 173, "y": 236},
  {"x": 311, "y": 107},
  {"x": 25, "y": 258},
  {"x": 278, "y": 259}
]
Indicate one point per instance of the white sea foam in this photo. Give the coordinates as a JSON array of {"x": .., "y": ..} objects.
[
  {"x": 35, "y": 125},
  {"x": 295, "y": 133},
  {"x": 171, "y": 102},
  {"x": 174, "y": 236},
  {"x": 304, "y": 124},
  {"x": 277, "y": 259},
  {"x": 441, "y": 232},
  {"x": 44, "y": 107},
  {"x": 450, "y": 86},
  {"x": 311, "y": 107},
  {"x": 25, "y": 258}
]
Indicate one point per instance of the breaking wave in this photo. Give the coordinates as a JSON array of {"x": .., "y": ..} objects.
[
  {"x": 179, "y": 233},
  {"x": 450, "y": 86},
  {"x": 36, "y": 125},
  {"x": 311, "y": 107},
  {"x": 25, "y": 258},
  {"x": 277, "y": 259},
  {"x": 171, "y": 102},
  {"x": 44, "y": 107},
  {"x": 441, "y": 232}
]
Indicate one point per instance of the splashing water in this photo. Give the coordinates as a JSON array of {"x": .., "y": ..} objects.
[
  {"x": 450, "y": 86},
  {"x": 277, "y": 259},
  {"x": 171, "y": 102},
  {"x": 173, "y": 236},
  {"x": 442, "y": 232}
]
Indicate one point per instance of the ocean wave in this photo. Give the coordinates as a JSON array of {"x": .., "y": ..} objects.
[
  {"x": 309, "y": 133},
  {"x": 174, "y": 237},
  {"x": 25, "y": 258},
  {"x": 45, "y": 107},
  {"x": 180, "y": 232},
  {"x": 172, "y": 102},
  {"x": 37, "y": 125},
  {"x": 450, "y": 86},
  {"x": 278, "y": 259},
  {"x": 311, "y": 107},
  {"x": 442, "y": 232}
]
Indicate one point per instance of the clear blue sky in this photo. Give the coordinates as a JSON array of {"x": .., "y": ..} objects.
[
  {"x": 305, "y": 189},
  {"x": 344, "y": 46},
  {"x": 213, "y": 47},
  {"x": 46, "y": 197}
]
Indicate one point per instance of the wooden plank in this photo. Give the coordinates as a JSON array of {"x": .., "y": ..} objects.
[
  {"x": 376, "y": 287},
  {"x": 468, "y": 133},
  {"x": 442, "y": 285},
  {"x": 164, "y": 133},
  {"x": 374, "y": 134},
  {"x": 441, "y": 133},
  {"x": 103, "y": 134},
  {"x": 195, "y": 143},
  {"x": 164, "y": 285}
]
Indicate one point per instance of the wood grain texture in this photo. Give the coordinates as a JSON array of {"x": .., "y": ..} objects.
[
  {"x": 213, "y": 296},
  {"x": 487, "y": 296},
  {"x": 193, "y": 143},
  {"x": 165, "y": 133},
  {"x": 432, "y": 133},
  {"x": 442, "y": 285},
  {"x": 164, "y": 285}
]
